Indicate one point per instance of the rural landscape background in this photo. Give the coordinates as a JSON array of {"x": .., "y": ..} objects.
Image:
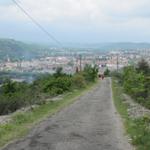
[{"x": 74, "y": 74}]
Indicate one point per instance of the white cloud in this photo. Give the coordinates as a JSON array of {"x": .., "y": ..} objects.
[
  {"x": 96, "y": 11},
  {"x": 106, "y": 16}
]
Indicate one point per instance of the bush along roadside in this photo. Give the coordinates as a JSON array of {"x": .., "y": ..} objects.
[
  {"x": 15, "y": 95},
  {"x": 135, "y": 81},
  {"x": 71, "y": 86},
  {"x": 138, "y": 128}
]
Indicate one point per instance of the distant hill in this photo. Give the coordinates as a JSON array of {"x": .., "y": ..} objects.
[
  {"x": 18, "y": 50},
  {"x": 126, "y": 45},
  {"x": 110, "y": 46}
]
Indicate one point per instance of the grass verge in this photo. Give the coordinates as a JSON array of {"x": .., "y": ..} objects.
[
  {"x": 22, "y": 122},
  {"x": 138, "y": 129}
]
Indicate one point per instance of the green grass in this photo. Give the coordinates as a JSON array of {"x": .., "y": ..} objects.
[
  {"x": 22, "y": 122},
  {"x": 138, "y": 129}
]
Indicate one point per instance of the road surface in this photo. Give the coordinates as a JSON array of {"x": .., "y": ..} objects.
[{"x": 91, "y": 123}]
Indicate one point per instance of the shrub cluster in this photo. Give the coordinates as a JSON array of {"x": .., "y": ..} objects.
[
  {"x": 136, "y": 82},
  {"x": 14, "y": 95}
]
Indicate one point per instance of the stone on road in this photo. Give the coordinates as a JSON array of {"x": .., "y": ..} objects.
[{"x": 91, "y": 123}]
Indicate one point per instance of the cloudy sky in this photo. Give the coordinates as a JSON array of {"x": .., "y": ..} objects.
[{"x": 84, "y": 21}]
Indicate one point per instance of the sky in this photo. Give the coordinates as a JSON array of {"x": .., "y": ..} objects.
[{"x": 77, "y": 21}]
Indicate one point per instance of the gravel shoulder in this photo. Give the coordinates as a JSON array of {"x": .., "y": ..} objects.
[
  {"x": 90, "y": 123},
  {"x": 135, "y": 110}
]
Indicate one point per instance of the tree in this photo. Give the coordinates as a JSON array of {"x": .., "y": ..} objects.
[
  {"x": 90, "y": 73},
  {"x": 143, "y": 67},
  {"x": 133, "y": 82},
  {"x": 58, "y": 72},
  {"x": 107, "y": 72},
  {"x": 9, "y": 87}
]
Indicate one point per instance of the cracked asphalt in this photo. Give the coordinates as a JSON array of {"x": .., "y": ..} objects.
[{"x": 90, "y": 123}]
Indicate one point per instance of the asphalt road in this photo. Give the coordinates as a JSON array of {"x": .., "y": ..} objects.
[{"x": 91, "y": 123}]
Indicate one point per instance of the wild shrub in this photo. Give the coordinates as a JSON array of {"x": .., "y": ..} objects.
[
  {"x": 79, "y": 81},
  {"x": 136, "y": 82},
  {"x": 63, "y": 83},
  {"x": 107, "y": 72},
  {"x": 90, "y": 73},
  {"x": 15, "y": 95}
]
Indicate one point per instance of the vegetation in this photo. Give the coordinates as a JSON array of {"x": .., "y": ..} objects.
[
  {"x": 138, "y": 129},
  {"x": 22, "y": 122},
  {"x": 16, "y": 95},
  {"x": 107, "y": 72},
  {"x": 90, "y": 73},
  {"x": 17, "y": 50},
  {"x": 136, "y": 82}
]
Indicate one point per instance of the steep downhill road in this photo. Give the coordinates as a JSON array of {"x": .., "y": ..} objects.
[{"x": 91, "y": 123}]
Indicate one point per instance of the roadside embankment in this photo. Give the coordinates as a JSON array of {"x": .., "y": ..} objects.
[
  {"x": 136, "y": 118},
  {"x": 22, "y": 121}
]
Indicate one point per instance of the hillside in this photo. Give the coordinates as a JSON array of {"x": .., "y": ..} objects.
[
  {"x": 126, "y": 45},
  {"x": 17, "y": 50},
  {"x": 110, "y": 45}
]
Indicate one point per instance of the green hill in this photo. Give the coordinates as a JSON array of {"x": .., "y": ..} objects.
[{"x": 17, "y": 50}]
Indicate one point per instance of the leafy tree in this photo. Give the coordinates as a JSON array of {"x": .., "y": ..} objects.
[
  {"x": 143, "y": 67},
  {"x": 107, "y": 72},
  {"x": 90, "y": 73},
  {"x": 9, "y": 87},
  {"x": 134, "y": 84},
  {"x": 58, "y": 72}
]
